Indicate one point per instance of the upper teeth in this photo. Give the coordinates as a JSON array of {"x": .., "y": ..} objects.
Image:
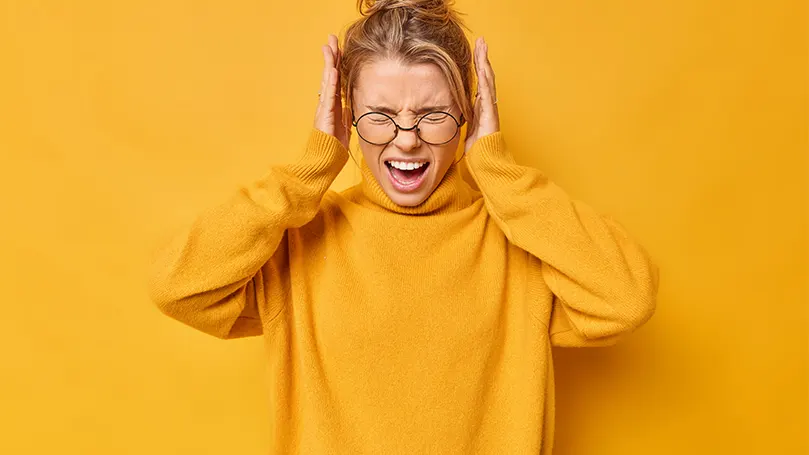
[{"x": 403, "y": 166}]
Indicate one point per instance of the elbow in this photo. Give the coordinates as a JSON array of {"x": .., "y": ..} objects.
[
  {"x": 181, "y": 299},
  {"x": 206, "y": 311},
  {"x": 638, "y": 311},
  {"x": 637, "y": 281},
  {"x": 639, "y": 301},
  {"x": 164, "y": 301},
  {"x": 161, "y": 284},
  {"x": 188, "y": 310},
  {"x": 168, "y": 307},
  {"x": 177, "y": 301},
  {"x": 609, "y": 318},
  {"x": 162, "y": 293},
  {"x": 623, "y": 319}
]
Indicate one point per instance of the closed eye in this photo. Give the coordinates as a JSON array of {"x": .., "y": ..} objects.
[
  {"x": 435, "y": 118},
  {"x": 393, "y": 113}
]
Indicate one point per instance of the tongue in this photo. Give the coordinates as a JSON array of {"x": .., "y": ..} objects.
[{"x": 407, "y": 176}]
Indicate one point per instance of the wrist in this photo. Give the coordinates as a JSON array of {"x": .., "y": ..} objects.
[
  {"x": 490, "y": 149},
  {"x": 323, "y": 157}
]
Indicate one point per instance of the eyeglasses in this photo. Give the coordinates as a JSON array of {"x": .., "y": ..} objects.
[{"x": 435, "y": 128}]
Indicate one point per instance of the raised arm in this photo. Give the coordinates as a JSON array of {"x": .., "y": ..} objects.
[
  {"x": 212, "y": 276},
  {"x": 604, "y": 283}
]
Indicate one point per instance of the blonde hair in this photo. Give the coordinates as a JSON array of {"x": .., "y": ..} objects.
[{"x": 412, "y": 32}]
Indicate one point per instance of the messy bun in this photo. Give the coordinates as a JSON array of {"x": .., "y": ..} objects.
[
  {"x": 413, "y": 32},
  {"x": 425, "y": 9}
]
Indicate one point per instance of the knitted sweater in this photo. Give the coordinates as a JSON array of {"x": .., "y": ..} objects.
[{"x": 396, "y": 330}]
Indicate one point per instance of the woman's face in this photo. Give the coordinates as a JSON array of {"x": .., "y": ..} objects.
[{"x": 408, "y": 169}]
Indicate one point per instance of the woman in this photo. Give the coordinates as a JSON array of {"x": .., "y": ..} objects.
[{"x": 409, "y": 314}]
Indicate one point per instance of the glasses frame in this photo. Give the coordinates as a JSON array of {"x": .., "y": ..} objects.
[{"x": 458, "y": 125}]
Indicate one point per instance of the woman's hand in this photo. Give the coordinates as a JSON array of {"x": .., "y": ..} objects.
[
  {"x": 330, "y": 117},
  {"x": 487, "y": 119}
]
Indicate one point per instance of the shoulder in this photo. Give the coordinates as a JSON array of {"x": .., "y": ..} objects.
[
  {"x": 351, "y": 194},
  {"x": 331, "y": 215},
  {"x": 338, "y": 202}
]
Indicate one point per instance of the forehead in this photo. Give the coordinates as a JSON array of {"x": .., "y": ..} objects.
[{"x": 391, "y": 83}]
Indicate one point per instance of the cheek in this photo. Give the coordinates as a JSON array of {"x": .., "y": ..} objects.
[
  {"x": 370, "y": 153},
  {"x": 446, "y": 153}
]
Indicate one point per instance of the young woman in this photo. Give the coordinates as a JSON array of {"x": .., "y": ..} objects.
[{"x": 409, "y": 314}]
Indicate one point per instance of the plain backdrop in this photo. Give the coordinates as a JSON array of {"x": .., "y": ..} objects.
[{"x": 120, "y": 120}]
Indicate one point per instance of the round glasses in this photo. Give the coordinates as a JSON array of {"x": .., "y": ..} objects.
[{"x": 435, "y": 128}]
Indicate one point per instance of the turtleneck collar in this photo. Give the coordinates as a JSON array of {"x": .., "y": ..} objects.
[{"x": 451, "y": 195}]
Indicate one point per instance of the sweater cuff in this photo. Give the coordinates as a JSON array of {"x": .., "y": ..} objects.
[
  {"x": 324, "y": 144},
  {"x": 491, "y": 146},
  {"x": 323, "y": 156},
  {"x": 492, "y": 163}
]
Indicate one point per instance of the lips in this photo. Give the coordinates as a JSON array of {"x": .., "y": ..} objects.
[{"x": 407, "y": 176}]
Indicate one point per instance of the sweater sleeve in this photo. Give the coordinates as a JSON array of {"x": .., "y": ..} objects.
[
  {"x": 604, "y": 283},
  {"x": 210, "y": 276}
]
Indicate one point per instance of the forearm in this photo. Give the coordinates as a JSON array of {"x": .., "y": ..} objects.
[
  {"x": 228, "y": 244},
  {"x": 588, "y": 261}
]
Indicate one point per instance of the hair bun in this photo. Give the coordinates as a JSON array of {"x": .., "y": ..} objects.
[{"x": 433, "y": 9}]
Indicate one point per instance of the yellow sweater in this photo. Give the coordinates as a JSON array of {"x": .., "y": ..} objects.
[{"x": 394, "y": 330}]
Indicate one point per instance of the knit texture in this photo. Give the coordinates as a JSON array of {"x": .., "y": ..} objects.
[{"x": 394, "y": 330}]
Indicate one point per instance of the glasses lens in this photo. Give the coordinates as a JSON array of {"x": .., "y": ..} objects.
[
  {"x": 376, "y": 128},
  {"x": 437, "y": 128}
]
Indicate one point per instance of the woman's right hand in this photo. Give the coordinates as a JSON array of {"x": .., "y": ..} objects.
[{"x": 330, "y": 117}]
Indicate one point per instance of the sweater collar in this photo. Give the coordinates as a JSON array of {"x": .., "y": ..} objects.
[{"x": 451, "y": 195}]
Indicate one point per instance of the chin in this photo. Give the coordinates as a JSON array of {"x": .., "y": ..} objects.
[{"x": 407, "y": 200}]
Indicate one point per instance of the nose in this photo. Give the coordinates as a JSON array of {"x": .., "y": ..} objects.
[{"x": 407, "y": 140}]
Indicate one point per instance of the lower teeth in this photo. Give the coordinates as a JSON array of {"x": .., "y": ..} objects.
[{"x": 409, "y": 176}]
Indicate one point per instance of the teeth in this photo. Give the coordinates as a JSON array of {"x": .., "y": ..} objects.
[{"x": 403, "y": 166}]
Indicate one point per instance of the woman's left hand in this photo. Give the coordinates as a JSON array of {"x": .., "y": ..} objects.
[{"x": 487, "y": 119}]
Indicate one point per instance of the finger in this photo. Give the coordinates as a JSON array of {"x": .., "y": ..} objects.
[
  {"x": 337, "y": 99},
  {"x": 327, "y": 66},
  {"x": 339, "y": 110},
  {"x": 334, "y": 47},
  {"x": 486, "y": 90},
  {"x": 489, "y": 71},
  {"x": 489, "y": 116},
  {"x": 327, "y": 95},
  {"x": 337, "y": 66},
  {"x": 481, "y": 73},
  {"x": 477, "y": 61},
  {"x": 328, "y": 58},
  {"x": 485, "y": 76},
  {"x": 332, "y": 41},
  {"x": 471, "y": 127},
  {"x": 324, "y": 102}
]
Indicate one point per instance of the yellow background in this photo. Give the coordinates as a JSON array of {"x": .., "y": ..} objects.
[{"x": 119, "y": 121}]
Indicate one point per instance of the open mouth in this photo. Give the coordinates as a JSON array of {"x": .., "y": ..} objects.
[{"x": 407, "y": 176}]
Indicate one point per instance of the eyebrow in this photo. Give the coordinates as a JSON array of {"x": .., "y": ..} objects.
[{"x": 424, "y": 110}]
